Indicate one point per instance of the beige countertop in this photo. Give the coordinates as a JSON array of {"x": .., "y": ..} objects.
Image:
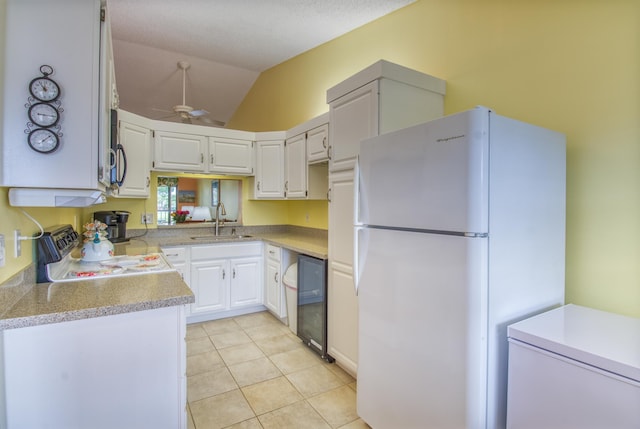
[
  {"x": 65, "y": 301},
  {"x": 306, "y": 244}
]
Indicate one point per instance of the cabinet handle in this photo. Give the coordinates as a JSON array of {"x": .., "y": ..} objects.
[
  {"x": 234, "y": 273},
  {"x": 275, "y": 278},
  {"x": 258, "y": 185},
  {"x": 224, "y": 274},
  {"x": 271, "y": 252},
  {"x": 212, "y": 159},
  {"x": 324, "y": 142},
  {"x": 171, "y": 255},
  {"x": 329, "y": 195},
  {"x": 148, "y": 181},
  {"x": 286, "y": 185},
  {"x": 202, "y": 158},
  {"x": 329, "y": 152}
]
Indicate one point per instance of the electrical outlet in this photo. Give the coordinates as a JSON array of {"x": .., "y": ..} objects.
[
  {"x": 146, "y": 218},
  {"x": 17, "y": 250},
  {"x": 2, "y": 251}
]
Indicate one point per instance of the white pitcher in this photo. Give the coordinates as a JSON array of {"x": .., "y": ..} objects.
[{"x": 97, "y": 249}]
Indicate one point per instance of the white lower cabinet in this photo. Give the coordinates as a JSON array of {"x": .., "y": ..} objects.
[
  {"x": 277, "y": 261},
  {"x": 210, "y": 285},
  {"x": 246, "y": 278},
  {"x": 226, "y": 279},
  {"x": 119, "y": 371}
]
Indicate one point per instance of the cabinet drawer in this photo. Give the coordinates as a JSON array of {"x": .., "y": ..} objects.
[
  {"x": 273, "y": 252},
  {"x": 175, "y": 254},
  {"x": 234, "y": 250}
]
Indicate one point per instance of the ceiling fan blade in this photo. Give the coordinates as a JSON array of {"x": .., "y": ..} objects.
[
  {"x": 161, "y": 110},
  {"x": 198, "y": 113},
  {"x": 210, "y": 121},
  {"x": 173, "y": 115}
]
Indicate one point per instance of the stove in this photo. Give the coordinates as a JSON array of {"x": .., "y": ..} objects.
[{"x": 55, "y": 262}]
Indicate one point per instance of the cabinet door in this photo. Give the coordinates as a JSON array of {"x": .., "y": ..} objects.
[
  {"x": 341, "y": 217},
  {"x": 179, "y": 152},
  {"x": 353, "y": 117},
  {"x": 210, "y": 282},
  {"x": 230, "y": 156},
  {"x": 136, "y": 141},
  {"x": 273, "y": 289},
  {"x": 295, "y": 155},
  {"x": 318, "y": 144},
  {"x": 342, "y": 302},
  {"x": 269, "y": 181},
  {"x": 246, "y": 282}
]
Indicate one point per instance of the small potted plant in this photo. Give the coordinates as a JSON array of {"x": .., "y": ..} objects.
[{"x": 180, "y": 216}]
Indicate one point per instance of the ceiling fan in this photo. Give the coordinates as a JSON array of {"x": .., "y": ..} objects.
[{"x": 185, "y": 112}]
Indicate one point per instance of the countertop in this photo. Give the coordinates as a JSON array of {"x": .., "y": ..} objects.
[
  {"x": 65, "y": 301},
  {"x": 306, "y": 244}
]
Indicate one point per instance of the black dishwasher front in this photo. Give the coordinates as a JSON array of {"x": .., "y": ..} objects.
[{"x": 312, "y": 304}]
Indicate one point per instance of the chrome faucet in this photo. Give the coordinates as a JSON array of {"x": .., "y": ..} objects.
[{"x": 218, "y": 213}]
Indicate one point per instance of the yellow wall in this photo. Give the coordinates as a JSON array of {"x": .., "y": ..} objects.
[{"x": 569, "y": 65}]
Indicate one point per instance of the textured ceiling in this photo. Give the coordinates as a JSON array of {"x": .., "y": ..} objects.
[{"x": 227, "y": 42}]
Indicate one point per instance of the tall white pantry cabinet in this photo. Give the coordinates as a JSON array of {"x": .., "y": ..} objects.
[{"x": 381, "y": 98}]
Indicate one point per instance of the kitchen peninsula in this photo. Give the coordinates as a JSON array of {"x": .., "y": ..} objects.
[{"x": 115, "y": 339}]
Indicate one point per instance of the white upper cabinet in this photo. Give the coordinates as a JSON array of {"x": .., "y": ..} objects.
[
  {"x": 136, "y": 141},
  {"x": 181, "y": 152},
  {"x": 269, "y": 179},
  {"x": 66, "y": 36},
  {"x": 199, "y": 149},
  {"x": 230, "y": 156},
  {"x": 295, "y": 169},
  {"x": 318, "y": 144},
  {"x": 381, "y": 98},
  {"x": 354, "y": 117}
]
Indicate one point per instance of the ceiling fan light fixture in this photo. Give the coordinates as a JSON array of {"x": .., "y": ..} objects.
[{"x": 186, "y": 112}]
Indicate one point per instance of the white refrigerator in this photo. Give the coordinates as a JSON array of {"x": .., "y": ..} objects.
[{"x": 460, "y": 231}]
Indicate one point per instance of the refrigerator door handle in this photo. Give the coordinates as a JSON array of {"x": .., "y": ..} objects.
[{"x": 360, "y": 248}]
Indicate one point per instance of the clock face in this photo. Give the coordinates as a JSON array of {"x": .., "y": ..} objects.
[
  {"x": 43, "y": 114},
  {"x": 44, "y": 89},
  {"x": 43, "y": 140}
]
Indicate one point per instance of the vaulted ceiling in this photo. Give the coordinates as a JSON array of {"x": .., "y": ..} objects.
[{"x": 227, "y": 43}]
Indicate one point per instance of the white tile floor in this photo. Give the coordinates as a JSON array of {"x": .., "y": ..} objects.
[{"x": 252, "y": 372}]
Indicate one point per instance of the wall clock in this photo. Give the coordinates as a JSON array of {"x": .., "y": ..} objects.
[
  {"x": 44, "y": 110},
  {"x": 44, "y": 88}
]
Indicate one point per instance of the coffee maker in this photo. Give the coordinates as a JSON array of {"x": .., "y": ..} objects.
[{"x": 116, "y": 224}]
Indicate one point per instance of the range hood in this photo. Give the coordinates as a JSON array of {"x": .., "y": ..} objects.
[{"x": 44, "y": 197}]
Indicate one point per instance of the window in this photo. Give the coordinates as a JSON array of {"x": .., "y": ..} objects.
[
  {"x": 199, "y": 195},
  {"x": 167, "y": 199}
]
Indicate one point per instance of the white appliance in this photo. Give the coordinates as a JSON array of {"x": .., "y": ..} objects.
[
  {"x": 575, "y": 368},
  {"x": 459, "y": 232}
]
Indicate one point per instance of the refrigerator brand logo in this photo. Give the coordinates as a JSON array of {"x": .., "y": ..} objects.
[{"x": 446, "y": 139}]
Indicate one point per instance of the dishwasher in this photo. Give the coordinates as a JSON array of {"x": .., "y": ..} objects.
[{"x": 312, "y": 304}]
